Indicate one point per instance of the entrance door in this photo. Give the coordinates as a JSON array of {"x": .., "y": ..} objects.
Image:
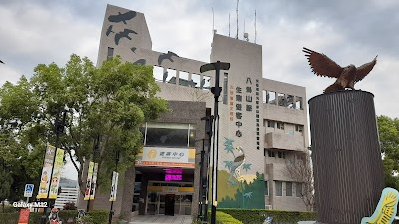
[{"x": 170, "y": 204}]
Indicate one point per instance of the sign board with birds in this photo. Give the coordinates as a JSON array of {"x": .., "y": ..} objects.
[{"x": 386, "y": 209}]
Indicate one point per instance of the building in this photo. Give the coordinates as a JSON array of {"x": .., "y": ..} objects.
[{"x": 262, "y": 123}]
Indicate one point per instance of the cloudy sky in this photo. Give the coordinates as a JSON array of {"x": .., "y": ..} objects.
[{"x": 349, "y": 32}]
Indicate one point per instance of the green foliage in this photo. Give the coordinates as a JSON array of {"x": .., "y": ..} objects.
[
  {"x": 257, "y": 216},
  {"x": 5, "y": 184},
  {"x": 111, "y": 101},
  {"x": 223, "y": 218},
  {"x": 389, "y": 139},
  {"x": 9, "y": 209},
  {"x": 69, "y": 206},
  {"x": 9, "y": 218}
]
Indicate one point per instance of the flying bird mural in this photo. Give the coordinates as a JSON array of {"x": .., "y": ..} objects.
[
  {"x": 2, "y": 62},
  {"x": 140, "y": 61},
  {"x": 346, "y": 77},
  {"x": 165, "y": 76},
  {"x": 109, "y": 30},
  {"x": 122, "y": 17},
  {"x": 133, "y": 49},
  {"x": 125, "y": 33},
  {"x": 235, "y": 168},
  {"x": 168, "y": 56}
]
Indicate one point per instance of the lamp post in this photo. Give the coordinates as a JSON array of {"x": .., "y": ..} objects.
[
  {"x": 59, "y": 129},
  {"x": 217, "y": 66},
  {"x": 95, "y": 151},
  {"x": 111, "y": 213}
]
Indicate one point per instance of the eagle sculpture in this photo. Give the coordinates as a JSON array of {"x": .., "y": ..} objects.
[{"x": 346, "y": 77}]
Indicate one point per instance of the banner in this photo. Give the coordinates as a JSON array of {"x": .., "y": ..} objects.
[
  {"x": 24, "y": 216},
  {"x": 88, "y": 182},
  {"x": 57, "y": 170},
  {"x": 93, "y": 185},
  {"x": 114, "y": 186},
  {"x": 46, "y": 172}
]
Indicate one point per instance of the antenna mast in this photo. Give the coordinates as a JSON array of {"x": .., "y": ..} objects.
[
  {"x": 213, "y": 22},
  {"x": 237, "y": 20},
  {"x": 255, "y": 26},
  {"x": 229, "y": 24}
]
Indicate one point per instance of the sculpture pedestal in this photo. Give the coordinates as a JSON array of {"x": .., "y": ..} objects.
[{"x": 347, "y": 165}]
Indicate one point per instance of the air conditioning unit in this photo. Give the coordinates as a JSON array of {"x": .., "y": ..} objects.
[{"x": 269, "y": 207}]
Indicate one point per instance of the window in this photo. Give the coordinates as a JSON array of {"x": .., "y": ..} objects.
[
  {"x": 225, "y": 88},
  {"x": 183, "y": 79},
  {"x": 290, "y": 101},
  {"x": 280, "y": 125},
  {"x": 271, "y": 97},
  {"x": 271, "y": 124},
  {"x": 298, "y": 190},
  {"x": 279, "y": 188},
  {"x": 264, "y": 96},
  {"x": 266, "y": 188},
  {"x": 288, "y": 188},
  {"x": 271, "y": 153},
  {"x": 195, "y": 80},
  {"x": 298, "y": 103},
  {"x": 282, "y": 101},
  {"x": 205, "y": 82},
  {"x": 170, "y": 135},
  {"x": 281, "y": 154},
  {"x": 299, "y": 128},
  {"x": 170, "y": 76},
  {"x": 110, "y": 52},
  {"x": 158, "y": 74}
]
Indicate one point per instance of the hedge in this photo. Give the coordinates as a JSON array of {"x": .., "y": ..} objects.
[
  {"x": 223, "y": 218},
  {"x": 257, "y": 216},
  {"x": 98, "y": 216}
]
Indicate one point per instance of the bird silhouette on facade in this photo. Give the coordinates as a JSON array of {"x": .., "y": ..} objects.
[
  {"x": 125, "y": 33},
  {"x": 168, "y": 56},
  {"x": 109, "y": 30},
  {"x": 122, "y": 17},
  {"x": 202, "y": 83},
  {"x": 2, "y": 62},
  {"x": 165, "y": 76},
  {"x": 140, "y": 62},
  {"x": 235, "y": 168},
  {"x": 346, "y": 77},
  {"x": 386, "y": 209},
  {"x": 133, "y": 49}
]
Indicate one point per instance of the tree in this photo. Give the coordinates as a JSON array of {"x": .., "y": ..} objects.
[
  {"x": 110, "y": 102},
  {"x": 388, "y": 129},
  {"x": 299, "y": 169}
]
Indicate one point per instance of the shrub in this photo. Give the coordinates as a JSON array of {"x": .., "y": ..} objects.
[
  {"x": 223, "y": 218},
  {"x": 69, "y": 206},
  {"x": 257, "y": 216}
]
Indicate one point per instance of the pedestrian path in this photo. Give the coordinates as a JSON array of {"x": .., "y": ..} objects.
[{"x": 161, "y": 219}]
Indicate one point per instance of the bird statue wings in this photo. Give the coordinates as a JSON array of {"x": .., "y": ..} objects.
[
  {"x": 346, "y": 77},
  {"x": 386, "y": 208}
]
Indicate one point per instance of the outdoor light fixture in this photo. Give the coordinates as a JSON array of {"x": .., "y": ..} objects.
[{"x": 217, "y": 66}]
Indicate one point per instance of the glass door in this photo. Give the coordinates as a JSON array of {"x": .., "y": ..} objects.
[{"x": 161, "y": 204}]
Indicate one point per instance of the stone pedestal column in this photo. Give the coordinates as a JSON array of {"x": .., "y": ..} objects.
[{"x": 348, "y": 170}]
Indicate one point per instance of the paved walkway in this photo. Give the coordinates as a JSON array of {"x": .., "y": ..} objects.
[{"x": 161, "y": 219}]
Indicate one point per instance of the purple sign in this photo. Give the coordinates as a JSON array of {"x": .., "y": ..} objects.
[
  {"x": 174, "y": 170},
  {"x": 171, "y": 177}
]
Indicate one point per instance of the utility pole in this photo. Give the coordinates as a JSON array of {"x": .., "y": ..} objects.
[
  {"x": 95, "y": 150},
  {"x": 217, "y": 66},
  {"x": 111, "y": 213}
]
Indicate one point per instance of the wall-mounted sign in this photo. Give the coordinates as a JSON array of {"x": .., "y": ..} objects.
[{"x": 170, "y": 157}]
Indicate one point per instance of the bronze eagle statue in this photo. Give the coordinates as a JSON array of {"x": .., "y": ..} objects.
[{"x": 346, "y": 77}]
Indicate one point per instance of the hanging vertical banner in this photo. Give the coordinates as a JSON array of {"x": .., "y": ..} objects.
[
  {"x": 24, "y": 216},
  {"x": 114, "y": 186},
  {"x": 93, "y": 185},
  {"x": 57, "y": 170},
  {"x": 88, "y": 182},
  {"x": 46, "y": 172}
]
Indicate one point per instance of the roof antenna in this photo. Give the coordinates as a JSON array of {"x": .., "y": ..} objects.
[
  {"x": 213, "y": 22},
  {"x": 229, "y": 24},
  {"x": 237, "y": 20},
  {"x": 255, "y": 26}
]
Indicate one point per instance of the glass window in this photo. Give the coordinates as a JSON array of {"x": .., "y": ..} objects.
[
  {"x": 299, "y": 128},
  {"x": 298, "y": 103},
  {"x": 290, "y": 101},
  {"x": 167, "y": 135},
  {"x": 271, "y": 153},
  {"x": 183, "y": 79},
  {"x": 264, "y": 96},
  {"x": 298, "y": 189},
  {"x": 266, "y": 188},
  {"x": 158, "y": 73},
  {"x": 271, "y": 124},
  {"x": 281, "y": 154},
  {"x": 206, "y": 82},
  {"x": 192, "y": 136},
  {"x": 271, "y": 97},
  {"x": 170, "y": 76},
  {"x": 196, "y": 80},
  {"x": 288, "y": 188},
  {"x": 279, "y": 188},
  {"x": 282, "y": 101},
  {"x": 280, "y": 125},
  {"x": 110, "y": 52}
]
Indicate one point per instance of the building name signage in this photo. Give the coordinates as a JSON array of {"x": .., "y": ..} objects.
[
  {"x": 169, "y": 189},
  {"x": 172, "y": 157},
  {"x": 257, "y": 113}
]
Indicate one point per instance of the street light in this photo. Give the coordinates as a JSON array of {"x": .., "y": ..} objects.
[{"x": 217, "y": 66}]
